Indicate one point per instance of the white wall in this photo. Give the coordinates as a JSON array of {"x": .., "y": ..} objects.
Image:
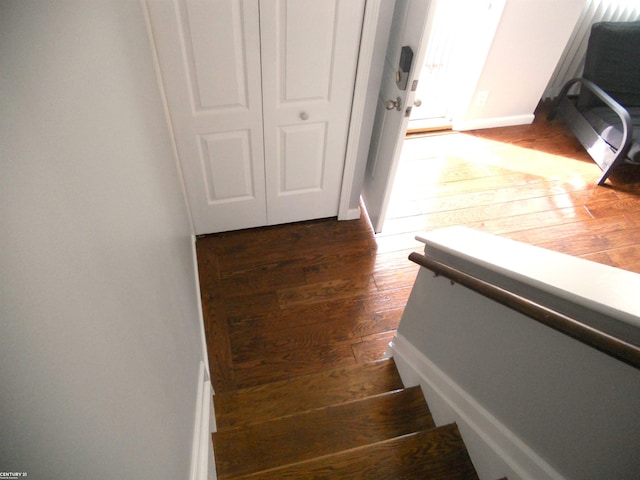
[
  {"x": 99, "y": 337},
  {"x": 527, "y": 45}
]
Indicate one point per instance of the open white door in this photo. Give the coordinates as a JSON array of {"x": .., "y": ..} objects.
[{"x": 394, "y": 104}]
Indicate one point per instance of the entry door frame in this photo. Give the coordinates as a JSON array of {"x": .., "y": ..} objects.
[{"x": 376, "y": 27}]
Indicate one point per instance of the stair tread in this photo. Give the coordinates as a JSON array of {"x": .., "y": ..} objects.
[
  {"x": 320, "y": 432},
  {"x": 331, "y": 387},
  {"x": 436, "y": 453}
]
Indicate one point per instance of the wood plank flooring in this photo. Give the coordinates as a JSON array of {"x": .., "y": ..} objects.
[
  {"x": 437, "y": 453},
  {"x": 308, "y": 392},
  {"x": 284, "y": 301},
  {"x": 330, "y": 430},
  {"x": 345, "y": 423}
]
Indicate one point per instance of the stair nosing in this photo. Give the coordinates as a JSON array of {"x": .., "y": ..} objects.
[
  {"x": 281, "y": 383},
  {"x": 413, "y": 394},
  {"x": 306, "y": 375},
  {"x": 309, "y": 410},
  {"x": 346, "y": 451}
]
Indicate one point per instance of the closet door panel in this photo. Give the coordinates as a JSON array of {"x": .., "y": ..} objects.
[
  {"x": 209, "y": 57},
  {"x": 227, "y": 181},
  {"x": 306, "y": 74},
  {"x": 215, "y": 45},
  {"x": 309, "y": 56},
  {"x": 305, "y": 144}
]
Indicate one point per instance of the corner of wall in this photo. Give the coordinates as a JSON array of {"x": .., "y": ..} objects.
[{"x": 165, "y": 107}]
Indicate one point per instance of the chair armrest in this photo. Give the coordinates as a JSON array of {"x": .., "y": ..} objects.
[{"x": 620, "y": 111}]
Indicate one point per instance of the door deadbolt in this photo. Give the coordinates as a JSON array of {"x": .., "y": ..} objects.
[{"x": 391, "y": 104}]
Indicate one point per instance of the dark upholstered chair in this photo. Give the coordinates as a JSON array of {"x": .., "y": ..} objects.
[{"x": 605, "y": 116}]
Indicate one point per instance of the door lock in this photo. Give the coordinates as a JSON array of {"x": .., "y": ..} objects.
[
  {"x": 404, "y": 66},
  {"x": 391, "y": 104}
]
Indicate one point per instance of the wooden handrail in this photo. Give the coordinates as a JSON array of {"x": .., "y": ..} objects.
[{"x": 615, "y": 347}]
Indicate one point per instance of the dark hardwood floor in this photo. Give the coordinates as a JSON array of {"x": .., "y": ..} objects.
[{"x": 283, "y": 301}]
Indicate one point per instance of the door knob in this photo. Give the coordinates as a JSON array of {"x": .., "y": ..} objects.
[
  {"x": 417, "y": 102},
  {"x": 391, "y": 104},
  {"x": 304, "y": 116}
]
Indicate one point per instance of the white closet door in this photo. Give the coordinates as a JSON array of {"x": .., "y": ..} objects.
[
  {"x": 309, "y": 56},
  {"x": 209, "y": 56}
]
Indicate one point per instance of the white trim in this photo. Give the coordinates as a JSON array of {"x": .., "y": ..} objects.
[
  {"x": 362, "y": 86},
  {"x": 351, "y": 214},
  {"x": 203, "y": 337},
  {"x": 494, "y": 449},
  {"x": 213, "y": 426},
  {"x": 200, "y": 460},
  {"x": 493, "y": 122}
]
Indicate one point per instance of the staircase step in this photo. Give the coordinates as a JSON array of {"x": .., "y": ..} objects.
[
  {"x": 438, "y": 453},
  {"x": 320, "y": 432},
  {"x": 300, "y": 394}
]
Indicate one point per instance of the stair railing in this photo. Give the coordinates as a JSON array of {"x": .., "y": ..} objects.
[
  {"x": 545, "y": 399},
  {"x": 609, "y": 344}
]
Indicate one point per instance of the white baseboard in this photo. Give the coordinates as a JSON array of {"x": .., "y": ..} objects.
[
  {"x": 203, "y": 337},
  {"x": 495, "y": 450},
  {"x": 350, "y": 214},
  {"x": 202, "y": 447},
  {"x": 493, "y": 122}
]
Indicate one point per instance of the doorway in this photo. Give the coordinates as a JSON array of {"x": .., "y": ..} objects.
[
  {"x": 458, "y": 31},
  {"x": 456, "y": 45}
]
